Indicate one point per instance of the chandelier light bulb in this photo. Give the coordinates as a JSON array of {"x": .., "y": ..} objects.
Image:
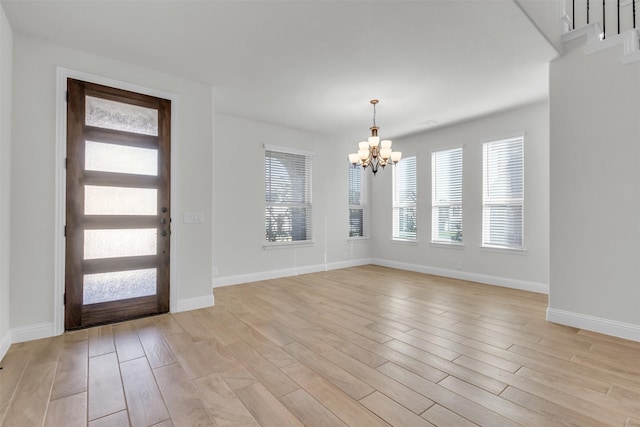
[
  {"x": 396, "y": 156},
  {"x": 386, "y": 143},
  {"x": 364, "y": 145},
  {"x": 374, "y": 141},
  {"x": 353, "y": 158}
]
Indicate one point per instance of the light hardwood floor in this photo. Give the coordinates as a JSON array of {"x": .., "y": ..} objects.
[{"x": 365, "y": 346}]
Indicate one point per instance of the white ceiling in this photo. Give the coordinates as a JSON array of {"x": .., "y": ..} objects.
[{"x": 314, "y": 65}]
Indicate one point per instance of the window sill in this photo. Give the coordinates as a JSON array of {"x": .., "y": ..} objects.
[
  {"x": 404, "y": 241},
  {"x": 284, "y": 245},
  {"x": 444, "y": 245},
  {"x": 504, "y": 250},
  {"x": 358, "y": 239}
]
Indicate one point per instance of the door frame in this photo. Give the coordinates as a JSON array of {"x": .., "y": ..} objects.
[{"x": 60, "y": 184}]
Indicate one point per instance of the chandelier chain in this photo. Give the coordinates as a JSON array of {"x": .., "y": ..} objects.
[{"x": 374, "y": 115}]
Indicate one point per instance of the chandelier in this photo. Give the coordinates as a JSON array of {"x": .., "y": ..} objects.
[{"x": 373, "y": 152}]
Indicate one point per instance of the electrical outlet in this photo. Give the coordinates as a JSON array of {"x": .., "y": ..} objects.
[{"x": 215, "y": 272}]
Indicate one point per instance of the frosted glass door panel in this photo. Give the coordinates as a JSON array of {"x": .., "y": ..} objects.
[
  {"x": 104, "y": 287},
  {"x": 115, "y": 115},
  {"x": 99, "y": 200},
  {"x": 120, "y": 159},
  {"x": 120, "y": 243}
]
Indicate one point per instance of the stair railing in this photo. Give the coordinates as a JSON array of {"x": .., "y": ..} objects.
[{"x": 621, "y": 10}]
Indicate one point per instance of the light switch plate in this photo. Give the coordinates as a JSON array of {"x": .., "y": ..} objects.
[{"x": 193, "y": 217}]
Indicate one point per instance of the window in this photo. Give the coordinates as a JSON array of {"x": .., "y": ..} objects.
[
  {"x": 404, "y": 199},
  {"x": 503, "y": 193},
  {"x": 357, "y": 202},
  {"x": 287, "y": 176},
  {"x": 446, "y": 193}
]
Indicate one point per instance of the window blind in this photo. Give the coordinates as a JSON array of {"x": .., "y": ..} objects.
[
  {"x": 446, "y": 196},
  {"x": 404, "y": 199},
  {"x": 503, "y": 193},
  {"x": 357, "y": 201},
  {"x": 287, "y": 196}
]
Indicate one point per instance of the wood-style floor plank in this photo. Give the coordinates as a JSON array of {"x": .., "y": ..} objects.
[
  {"x": 119, "y": 419},
  {"x": 399, "y": 392},
  {"x": 222, "y": 403},
  {"x": 68, "y": 411},
  {"x": 309, "y": 411},
  {"x": 155, "y": 347},
  {"x": 105, "y": 386},
  {"x": 29, "y": 404},
  {"x": 339, "y": 377},
  {"x": 464, "y": 407},
  {"x": 441, "y": 416},
  {"x": 128, "y": 345},
  {"x": 262, "y": 369},
  {"x": 184, "y": 403},
  {"x": 266, "y": 408},
  {"x": 362, "y": 346},
  {"x": 71, "y": 375},
  {"x": 101, "y": 340},
  {"x": 392, "y": 412},
  {"x": 330, "y": 396},
  {"x": 13, "y": 366},
  {"x": 144, "y": 400}
]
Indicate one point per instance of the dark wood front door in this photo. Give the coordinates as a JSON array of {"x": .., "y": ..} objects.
[{"x": 118, "y": 212}]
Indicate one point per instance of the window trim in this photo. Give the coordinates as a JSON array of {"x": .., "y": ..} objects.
[
  {"x": 309, "y": 157},
  {"x": 364, "y": 206},
  {"x": 395, "y": 206},
  {"x": 513, "y": 201},
  {"x": 435, "y": 242}
]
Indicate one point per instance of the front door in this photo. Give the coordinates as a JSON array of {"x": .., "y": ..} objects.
[{"x": 118, "y": 214}]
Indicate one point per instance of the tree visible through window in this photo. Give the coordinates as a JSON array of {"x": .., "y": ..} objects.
[
  {"x": 446, "y": 194},
  {"x": 404, "y": 199},
  {"x": 503, "y": 193},
  {"x": 287, "y": 196}
]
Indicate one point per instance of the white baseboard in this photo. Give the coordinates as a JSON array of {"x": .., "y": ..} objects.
[
  {"x": 287, "y": 272},
  {"x": 505, "y": 282},
  {"x": 195, "y": 303},
  {"x": 32, "y": 332},
  {"x": 5, "y": 343},
  {"x": 614, "y": 328}
]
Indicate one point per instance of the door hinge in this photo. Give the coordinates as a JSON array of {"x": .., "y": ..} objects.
[
  {"x": 65, "y": 231},
  {"x": 66, "y": 162},
  {"x": 64, "y": 299},
  {"x": 66, "y": 96}
]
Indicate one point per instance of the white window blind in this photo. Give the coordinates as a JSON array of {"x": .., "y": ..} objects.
[
  {"x": 288, "y": 196},
  {"x": 404, "y": 199},
  {"x": 503, "y": 193},
  {"x": 357, "y": 202},
  {"x": 446, "y": 196}
]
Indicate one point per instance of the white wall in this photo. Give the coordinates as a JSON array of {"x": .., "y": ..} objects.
[
  {"x": 528, "y": 270},
  {"x": 545, "y": 15},
  {"x": 595, "y": 194},
  {"x": 238, "y": 231},
  {"x": 33, "y": 175},
  {"x": 6, "y": 66}
]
